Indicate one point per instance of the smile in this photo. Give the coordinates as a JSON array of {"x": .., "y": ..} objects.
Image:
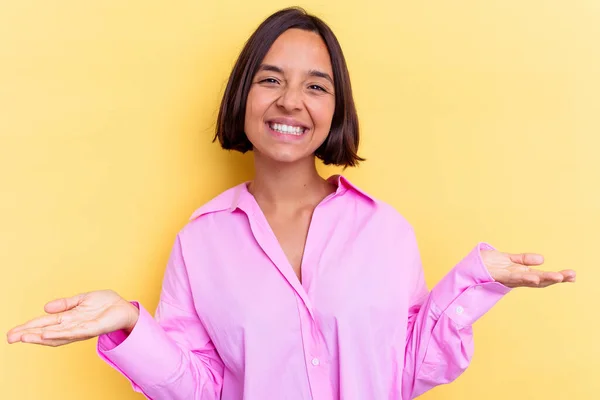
[{"x": 287, "y": 129}]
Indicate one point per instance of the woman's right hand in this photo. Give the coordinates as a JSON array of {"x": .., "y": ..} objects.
[{"x": 77, "y": 318}]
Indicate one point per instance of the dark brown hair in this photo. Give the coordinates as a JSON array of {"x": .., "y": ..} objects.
[{"x": 341, "y": 145}]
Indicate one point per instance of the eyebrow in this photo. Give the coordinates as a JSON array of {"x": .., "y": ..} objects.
[
  {"x": 269, "y": 67},
  {"x": 312, "y": 72},
  {"x": 321, "y": 74}
]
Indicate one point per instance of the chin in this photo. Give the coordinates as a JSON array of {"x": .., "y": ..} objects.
[
  {"x": 284, "y": 156},
  {"x": 287, "y": 158}
]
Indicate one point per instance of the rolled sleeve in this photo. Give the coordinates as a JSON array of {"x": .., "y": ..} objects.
[
  {"x": 135, "y": 355},
  {"x": 468, "y": 291}
]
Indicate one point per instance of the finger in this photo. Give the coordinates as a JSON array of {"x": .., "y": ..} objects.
[
  {"x": 536, "y": 278},
  {"x": 40, "y": 322},
  {"x": 569, "y": 275},
  {"x": 518, "y": 278},
  {"x": 551, "y": 278},
  {"x": 81, "y": 331},
  {"x": 527, "y": 258},
  {"x": 64, "y": 304},
  {"x": 529, "y": 280},
  {"x": 37, "y": 339},
  {"x": 541, "y": 279},
  {"x": 15, "y": 336}
]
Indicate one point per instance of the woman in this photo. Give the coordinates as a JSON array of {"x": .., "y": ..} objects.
[{"x": 292, "y": 286}]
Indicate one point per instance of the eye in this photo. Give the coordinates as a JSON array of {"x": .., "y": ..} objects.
[
  {"x": 269, "y": 80},
  {"x": 317, "y": 87}
]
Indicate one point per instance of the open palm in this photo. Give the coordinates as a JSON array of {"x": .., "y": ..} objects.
[
  {"x": 77, "y": 318},
  {"x": 514, "y": 270}
]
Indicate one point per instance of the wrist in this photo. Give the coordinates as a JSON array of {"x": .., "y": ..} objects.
[{"x": 134, "y": 314}]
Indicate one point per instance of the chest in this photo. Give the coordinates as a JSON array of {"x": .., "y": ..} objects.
[
  {"x": 354, "y": 278},
  {"x": 351, "y": 269},
  {"x": 290, "y": 232}
]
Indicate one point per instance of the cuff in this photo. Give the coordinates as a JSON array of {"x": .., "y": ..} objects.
[
  {"x": 147, "y": 356},
  {"x": 468, "y": 291},
  {"x": 111, "y": 340}
]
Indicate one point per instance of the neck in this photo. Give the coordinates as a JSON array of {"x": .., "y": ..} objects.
[{"x": 288, "y": 184}]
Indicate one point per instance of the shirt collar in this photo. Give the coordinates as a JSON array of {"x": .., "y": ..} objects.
[
  {"x": 238, "y": 196},
  {"x": 344, "y": 185}
]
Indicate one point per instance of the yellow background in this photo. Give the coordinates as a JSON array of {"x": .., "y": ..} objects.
[{"x": 480, "y": 121}]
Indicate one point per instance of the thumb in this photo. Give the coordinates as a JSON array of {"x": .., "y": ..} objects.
[
  {"x": 64, "y": 304},
  {"x": 527, "y": 258}
]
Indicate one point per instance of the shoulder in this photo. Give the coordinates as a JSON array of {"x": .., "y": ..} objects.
[
  {"x": 211, "y": 213},
  {"x": 386, "y": 214},
  {"x": 224, "y": 201},
  {"x": 393, "y": 221}
]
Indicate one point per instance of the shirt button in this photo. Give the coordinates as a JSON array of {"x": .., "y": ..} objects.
[
  {"x": 315, "y": 361},
  {"x": 459, "y": 310}
]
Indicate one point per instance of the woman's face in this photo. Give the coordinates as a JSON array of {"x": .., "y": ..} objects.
[{"x": 291, "y": 101}]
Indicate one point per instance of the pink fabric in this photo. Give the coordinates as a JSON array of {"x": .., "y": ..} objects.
[{"x": 234, "y": 322}]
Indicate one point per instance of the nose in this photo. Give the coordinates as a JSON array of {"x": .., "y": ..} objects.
[{"x": 290, "y": 99}]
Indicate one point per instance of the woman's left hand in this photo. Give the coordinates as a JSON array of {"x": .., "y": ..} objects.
[{"x": 514, "y": 270}]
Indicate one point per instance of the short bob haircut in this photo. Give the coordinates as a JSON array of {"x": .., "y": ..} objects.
[{"x": 340, "y": 147}]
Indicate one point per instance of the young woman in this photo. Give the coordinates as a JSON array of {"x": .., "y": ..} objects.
[{"x": 292, "y": 286}]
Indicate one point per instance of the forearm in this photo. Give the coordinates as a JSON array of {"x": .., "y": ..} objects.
[
  {"x": 159, "y": 367},
  {"x": 439, "y": 343}
]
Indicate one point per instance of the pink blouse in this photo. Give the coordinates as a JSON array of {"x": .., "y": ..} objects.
[{"x": 234, "y": 321}]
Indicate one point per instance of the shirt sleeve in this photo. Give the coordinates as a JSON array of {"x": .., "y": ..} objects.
[
  {"x": 439, "y": 344},
  {"x": 171, "y": 355}
]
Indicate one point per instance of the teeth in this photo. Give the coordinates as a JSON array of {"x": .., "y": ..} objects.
[{"x": 287, "y": 129}]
